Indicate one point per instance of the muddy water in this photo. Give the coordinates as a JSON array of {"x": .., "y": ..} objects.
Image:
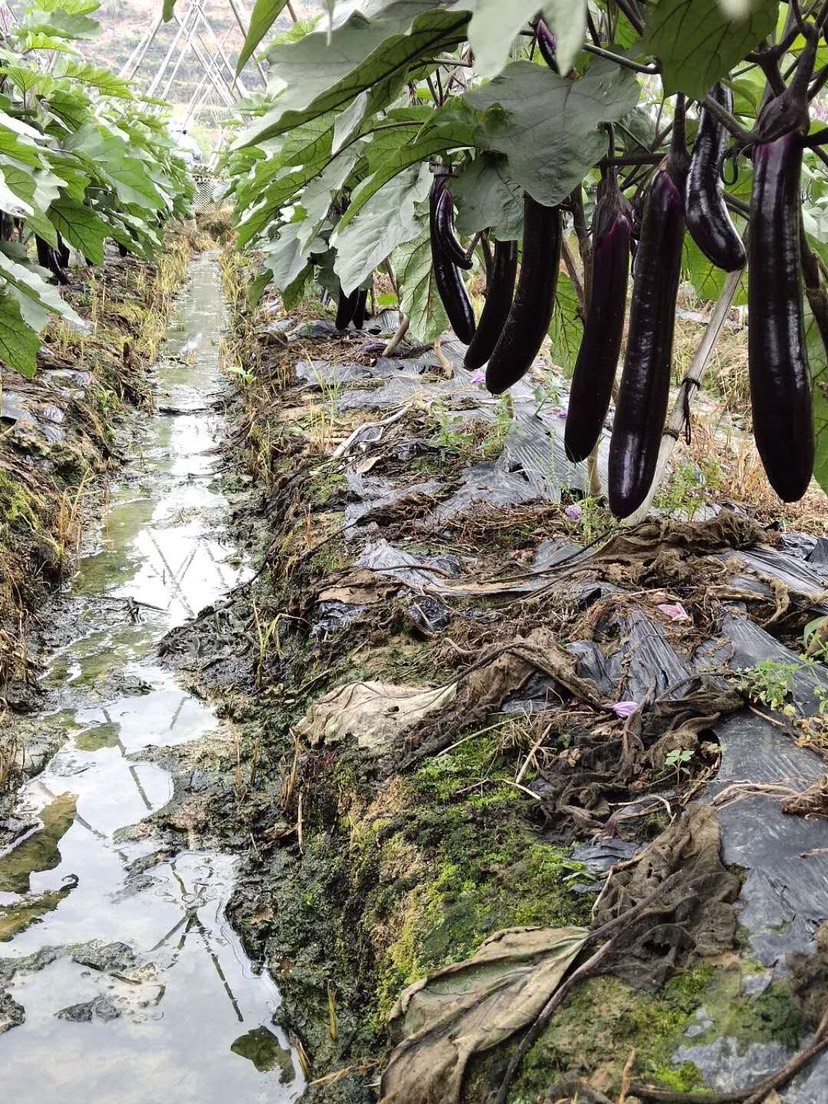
[{"x": 134, "y": 988}]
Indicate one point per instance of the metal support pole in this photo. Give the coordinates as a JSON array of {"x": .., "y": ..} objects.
[
  {"x": 245, "y": 30},
  {"x": 159, "y": 76},
  {"x": 227, "y": 93},
  {"x": 137, "y": 56}
]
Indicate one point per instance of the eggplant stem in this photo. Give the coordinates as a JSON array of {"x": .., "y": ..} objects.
[
  {"x": 726, "y": 119},
  {"x": 690, "y": 385},
  {"x": 633, "y": 159},
  {"x": 633, "y": 18},
  {"x": 593, "y": 30},
  {"x": 626, "y": 63}
]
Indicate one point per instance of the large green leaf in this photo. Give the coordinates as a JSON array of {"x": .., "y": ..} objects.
[
  {"x": 285, "y": 258},
  {"x": 325, "y": 72},
  {"x": 61, "y": 23},
  {"x": 496, "y": 23},
  {"x": 698, "y": 42},
  {"x": 81, "y": 227},
  {"x": 97, "y": 77},
  {"x": 548, "y": 126},
  {"x": 36, "y": 297},
  {"x": 487, "y": 199},
  {"x": 396, "y": 147},
  {"x": 264, "y": 15},
  {"x": 420, "y": 300},
  {"x": 18, "y": 341},
  {"x": 317, "y": 196},
  {"x": 387, "y": 221},
  {"x": 109, "y": 154}
]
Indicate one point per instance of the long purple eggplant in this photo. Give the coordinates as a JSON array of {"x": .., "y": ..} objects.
[
  {"x": 780, "y": 383},
  {"x": 444, "y": 225},
  {"x": 449, "y": 282},
  {"x": 361, "y": 305},
  {"x": 708, "y": 218},
  {"x": 498, "y": 303},
  {"x": 547, "y": 44},
  {"x": 345, "y": 308},
  {"x": 597, "y": 363},
  {"x": 645, "y": 383},
  {"x": 534, "y": 300}
]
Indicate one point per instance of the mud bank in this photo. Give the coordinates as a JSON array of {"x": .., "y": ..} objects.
[
  {"x": 118, "y": 969},
  {"x": 469, "y": 704}
]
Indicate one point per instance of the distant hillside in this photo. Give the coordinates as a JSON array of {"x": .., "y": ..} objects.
[{"x": 125, "y": 22}]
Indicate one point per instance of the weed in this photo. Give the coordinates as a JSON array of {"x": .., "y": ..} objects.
[
  {"x": 680, "y": 758},
  {"x": 768, "y": 682}
]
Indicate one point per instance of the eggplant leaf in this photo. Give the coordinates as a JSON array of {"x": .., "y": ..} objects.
[
  {"x": 18, "y": 341},
  {"x": 264, "y": 15},
  {"x": 566, "y": 328},
  {"x": 487, "y": 200},
  {"x": 388, "y": 221},
  {"x": 323, "y": 72},
  {"x": 549, "y": 127},
  {"x": 420, "y": 300},
  {"x": 698, "y": 42}
]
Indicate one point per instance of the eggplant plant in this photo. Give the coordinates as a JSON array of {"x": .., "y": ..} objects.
[
  {"x": 423, "y": 138},
  {"x": 82, "y": 160}
]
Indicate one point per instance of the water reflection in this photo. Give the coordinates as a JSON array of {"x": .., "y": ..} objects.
[{"x": 135, "y": 988}]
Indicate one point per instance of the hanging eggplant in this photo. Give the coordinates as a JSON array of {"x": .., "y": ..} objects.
[
  {"x": 498, "y": 303},
  {"x": 708, "y": 218},
  {"x": 645, "y": 382},
  {"x": 547, "y": 44},
  {"x": 597, "y": 363},
  {"x": 447, "y": 278},
  {"x": 780, "y": 380},
  {"x": 346, "y": 308},
  {"x": 444, "y": 225},
  {"x": 534, "y": 301},
  {"x": 359, "y": 313}
]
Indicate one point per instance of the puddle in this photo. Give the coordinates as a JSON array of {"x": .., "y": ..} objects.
[{"x": 135, "y": 988}]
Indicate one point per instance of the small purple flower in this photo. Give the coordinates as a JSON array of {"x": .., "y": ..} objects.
[
  {"x": 562, "y": 413},
  {"x": 675, "y": 611},
  {"x": 479, "y": 376},
  {"x": 573, "y": 512},
  {"x": 625, "y": 709}
]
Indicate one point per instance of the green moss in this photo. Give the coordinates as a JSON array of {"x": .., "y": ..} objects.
[
  {"x": 484, "y": 867},
  {"x": 605, "y": 1019},
  {"x": 324, "y": 488},
  {"x": 17, "y": 505},
  {"x": 39, "y": 851}
]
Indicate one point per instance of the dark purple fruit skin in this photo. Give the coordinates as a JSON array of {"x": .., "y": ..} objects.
[
  {"x": 708, "y": 219},
  {"x": 547, "y": 44},
  {"x": 447, "y": 278},
  {"x": 346, "y": 308},
  {"x": 645, "y": 383},
  {"x": 47, "y": 257},
  {"x": 498, "y": 303},
  {"x": 780, "y": 382},
  {"x": 444, "y": 226},
  {"x": 359, "y": 313},
  {"x": 597, "y": 363},
  {"x": 534, "y": 300}
]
